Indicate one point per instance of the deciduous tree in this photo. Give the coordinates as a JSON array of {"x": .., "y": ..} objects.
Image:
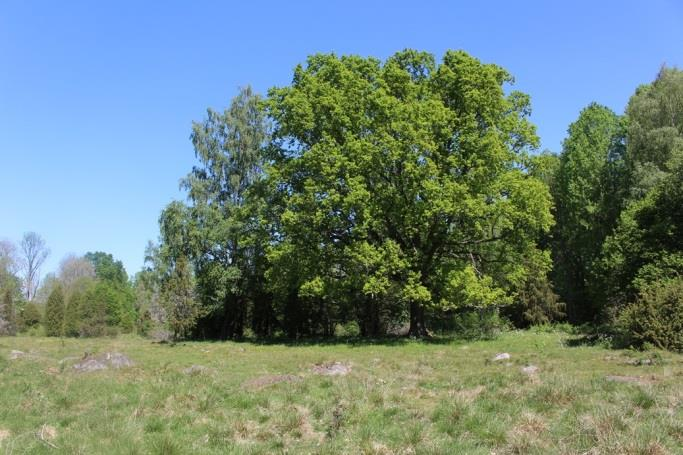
[
  {"x": 420, "y": 164},
  {"x": 34, "y": 253}
]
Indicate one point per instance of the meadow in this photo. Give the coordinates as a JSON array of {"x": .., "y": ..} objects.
[{"x": 392, "y": 396}]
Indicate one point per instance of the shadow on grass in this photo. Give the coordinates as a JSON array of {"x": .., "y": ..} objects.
[
  {"x": 591, "y": 335},
  {"x": 353, "y": 341}
]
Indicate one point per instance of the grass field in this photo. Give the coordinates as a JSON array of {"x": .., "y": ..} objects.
[{"x": 399, "y": 397}]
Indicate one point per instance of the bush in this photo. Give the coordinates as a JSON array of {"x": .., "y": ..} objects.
[
  {"x": 471, "y": 324},
  {"x": 30, "y": 316},
  {"x": 655, "y": 318},
  {"x": 144, "y": 323},
  {"x": 535, "y": 304},
  {"x": 348, "y": 329}
]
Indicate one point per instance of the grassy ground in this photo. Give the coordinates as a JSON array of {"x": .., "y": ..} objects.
[{"x": 400, "y": 397}]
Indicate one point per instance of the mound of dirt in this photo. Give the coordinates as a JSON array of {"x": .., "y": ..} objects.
[
  {"x": 270, "y": 379},
  {"x": 332, "y": 369},
  {"x": 103, "y": 361}
]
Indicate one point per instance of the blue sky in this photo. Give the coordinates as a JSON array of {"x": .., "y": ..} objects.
[{"x": 97, "y": 98}]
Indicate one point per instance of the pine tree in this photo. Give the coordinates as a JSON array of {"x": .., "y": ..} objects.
[
  {"x": 182, "y": 307},
  {"x": 72, "y": 314},
  {"x": 54, "y": 312}
]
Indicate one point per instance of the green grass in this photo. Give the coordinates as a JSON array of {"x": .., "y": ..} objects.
[{"x": 400, "y": 397}]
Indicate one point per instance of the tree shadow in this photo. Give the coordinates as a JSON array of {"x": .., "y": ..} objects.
[
  {"x": 591, "y": 335},
  {"x": 352, "y": 341}
]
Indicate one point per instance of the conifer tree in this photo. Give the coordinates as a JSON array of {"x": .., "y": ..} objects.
[
  {"x": 8, "y": 322},
  {"x": 54, "y": 312},
  {"x": 178, "y": 292}
]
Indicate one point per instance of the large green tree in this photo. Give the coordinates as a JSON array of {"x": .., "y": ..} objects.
[
  {"x": 112, "y": 291},
  {"x": 646, "y": 245},
  {"x": 107, "y": 268},
  {"x": 404, "y": 181},
  {"x": 655, "y": 131},
  {"x": 587, "y": 195},
  {"x": 221, "y": 231}
]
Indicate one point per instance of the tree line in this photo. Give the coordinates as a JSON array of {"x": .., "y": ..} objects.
[
  {"x": 409, "y": 192},
  {"x": 89, "y": 295},
  {"x": 408, "y": 195}
]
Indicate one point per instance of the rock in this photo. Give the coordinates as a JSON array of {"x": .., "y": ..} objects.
[
  {"x": 102, "y": 362},
  {"x": 400, "y": 330},
  {"x": 161, "y": 336},
  {"x": 332, "y": 369},
  {"x": 196, "y": 369},
  {"x": 14, "y": 354},
  {"x": 90, "y": 364},
  {"x": 501, "y": 356},
  {"x": 117, "y": 360},
  {"x": 530, "y": 369}
]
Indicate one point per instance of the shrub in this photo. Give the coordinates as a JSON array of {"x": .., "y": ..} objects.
[
  {"x": 30, "y": 316},
  {"x": 144, "y": 323},
  {"x": 472, "y": 324},
  {"x": 655, "y": 318},
  {"x": 535, "y": 304},
  {"x": 348, "y": 329}
]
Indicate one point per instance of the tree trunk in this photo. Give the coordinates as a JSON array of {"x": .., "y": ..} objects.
[
  {"x": 233, "y": 318},
  {"x": 418, "y": 329}
]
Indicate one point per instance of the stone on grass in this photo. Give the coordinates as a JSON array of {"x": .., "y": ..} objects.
[
  {"x": 161, "y": 336},
  {"x": 104, "y": 361},
  {"x": 501, "y": 356},
  {"x": 14, "y": 354},
  {"x": 332, "y": 369},
  {"x": 117, "y": 360},
  {"x": 530, "y": 369}
]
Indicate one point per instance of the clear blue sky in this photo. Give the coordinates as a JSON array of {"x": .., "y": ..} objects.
[{"x": 97, "y": 97}]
